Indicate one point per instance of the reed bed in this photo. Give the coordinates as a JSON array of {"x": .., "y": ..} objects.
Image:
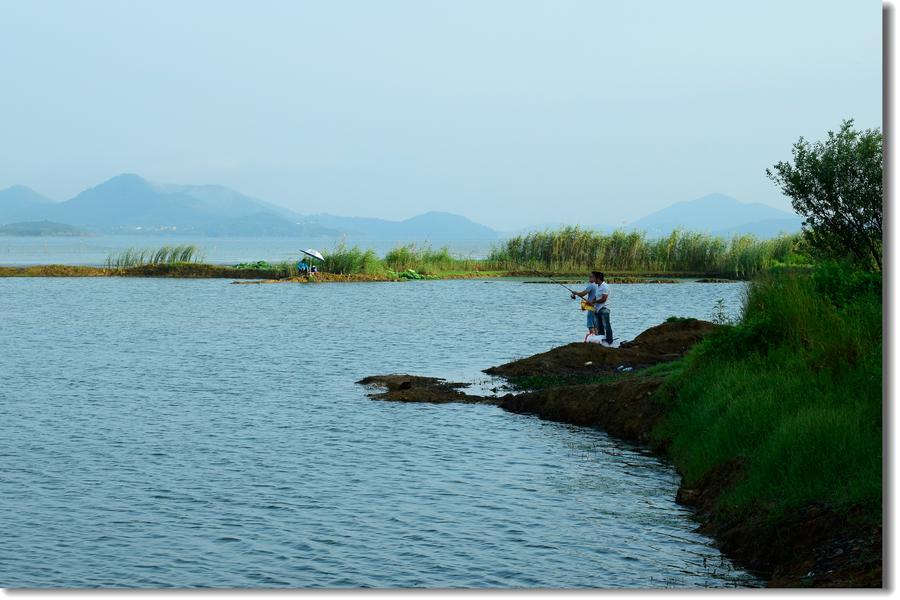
[
  {"x": 344, "y": 260},
  {"x": 426, "y": 260},
  {"x": 574, "y": 249},
  {"x": 165, "y": 255}
]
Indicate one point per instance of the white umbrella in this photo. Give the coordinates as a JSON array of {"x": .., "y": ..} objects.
[{"x": 313, "y": 253}]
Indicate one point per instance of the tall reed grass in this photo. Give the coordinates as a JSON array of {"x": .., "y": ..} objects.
[
  {"x": 573, "y": 249},
  {"x": 350, "y": 261},
  {"x": 427, "y": 260},
  {"x": 353, "y": 260},
  {"x": 165, "y": 255}
]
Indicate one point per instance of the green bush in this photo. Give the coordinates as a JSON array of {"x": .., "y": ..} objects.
[{"x": 259, "y": 265}]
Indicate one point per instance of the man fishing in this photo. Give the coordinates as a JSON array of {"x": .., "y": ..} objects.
[{"x": 596, "y": 295}]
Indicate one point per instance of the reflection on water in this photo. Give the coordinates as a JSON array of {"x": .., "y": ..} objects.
[{"x": 197, "y": 433}]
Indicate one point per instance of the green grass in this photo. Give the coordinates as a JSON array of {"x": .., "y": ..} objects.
[
  {"x": 408, "y": 259},
  {"x": 794, "y": 389},
  {"x": 572, "y": 249},
  {"x": 344, "y": 260},
  {"x": 165, "y": 255}
]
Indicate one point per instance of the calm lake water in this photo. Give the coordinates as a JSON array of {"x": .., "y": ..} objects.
[
  {"x": 93, "y": 250},
  {"x": 197, "y": 433}
]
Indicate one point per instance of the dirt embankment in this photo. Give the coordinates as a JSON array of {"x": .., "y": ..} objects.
[
  {"x": 812, "y": 547},
  {"x": 815, "y": 547},
  {"x": 623, "y": 408}
]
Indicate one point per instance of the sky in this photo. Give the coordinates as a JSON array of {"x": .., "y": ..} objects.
[{"x": 512, "y": 113}]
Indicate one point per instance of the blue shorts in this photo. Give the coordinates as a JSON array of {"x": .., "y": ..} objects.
[{"x": 592, "y": 322}]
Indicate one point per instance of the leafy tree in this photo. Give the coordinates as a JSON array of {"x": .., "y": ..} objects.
[{"x": 836, "y": 185}]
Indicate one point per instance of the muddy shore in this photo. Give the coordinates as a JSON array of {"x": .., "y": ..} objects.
[{"x": 610, "y": 388}]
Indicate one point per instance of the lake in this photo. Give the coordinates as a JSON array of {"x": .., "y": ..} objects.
[
  {"x": 194, "y": 433},
  {"x": 94, "y": 250}
]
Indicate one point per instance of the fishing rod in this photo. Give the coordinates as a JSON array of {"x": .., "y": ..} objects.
[
  {"x": 585, "y": 305},
  {"x": 563, "y": 285}
]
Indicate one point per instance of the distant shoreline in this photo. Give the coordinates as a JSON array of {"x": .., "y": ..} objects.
[{"x": 209, "y": 271}]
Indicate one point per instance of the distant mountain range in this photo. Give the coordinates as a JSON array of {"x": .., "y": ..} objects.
[{"x": 130, "y": 204}]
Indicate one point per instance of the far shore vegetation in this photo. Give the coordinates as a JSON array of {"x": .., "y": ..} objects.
[{"x": 570, "y": 251}]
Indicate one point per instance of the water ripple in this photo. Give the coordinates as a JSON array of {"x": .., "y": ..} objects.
[{"x": 197, "y": 434}]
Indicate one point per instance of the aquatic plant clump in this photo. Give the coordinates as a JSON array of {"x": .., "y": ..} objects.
[{"x": 165, "y": 255}]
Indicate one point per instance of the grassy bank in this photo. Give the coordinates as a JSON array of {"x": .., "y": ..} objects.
[{"x": 793, "y": 392}]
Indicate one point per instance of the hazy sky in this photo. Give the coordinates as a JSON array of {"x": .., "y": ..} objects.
[{"x": 511, "y": 113}]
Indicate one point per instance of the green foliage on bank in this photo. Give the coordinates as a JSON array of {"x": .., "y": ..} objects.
[
  {"x": 794, "y": 389},
  {"x": 836, "y": 184}
]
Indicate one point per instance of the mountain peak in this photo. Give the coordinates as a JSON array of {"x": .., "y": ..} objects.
[
  {"x": 22, "y": 194},
  {"x": 126, "y": 180},
  {"x": 713, "y": 213},
  {"x": 714, "y": 199}
]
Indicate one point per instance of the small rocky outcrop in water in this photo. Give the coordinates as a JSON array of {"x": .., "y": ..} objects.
[
  {"x": 622, "y": 406},
  {"x": 665, "y": 342},
  {"x": 412, "y": 388}
]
